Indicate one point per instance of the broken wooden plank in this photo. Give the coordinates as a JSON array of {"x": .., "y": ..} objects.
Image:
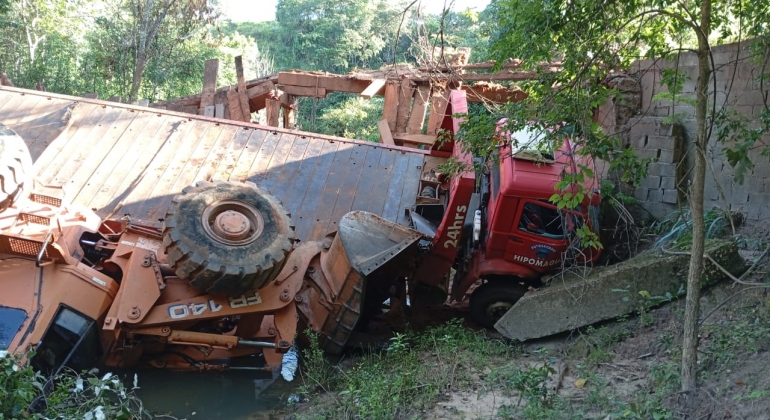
[
  {"x": 260, "y": 89},
  {"x": 273, "y": 111},
  {"x": 390, "y": 107},
  {"x": 374, "y": 88},
  {"x": 385, "y": 135},
  {"x": 405, "y": 93},
  {"x": 234, "y": 103},
  {"x": 245, "y": 109},
  {"x": 210, "y": 71},
  {"x": 417, "y": 117},
  {"x": 115, "y": 98},
  {"x": 312, "y": 92},
  {"x": 415, "y": 138},
  {"x": 437, "y": 109}
]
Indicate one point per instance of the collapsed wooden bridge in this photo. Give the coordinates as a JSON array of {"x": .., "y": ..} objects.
[{"x": 411, "y": 95}]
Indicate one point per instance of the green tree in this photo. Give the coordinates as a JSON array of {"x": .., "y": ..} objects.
[
  {"x": 593, "y": 37},
  {"x": 41, "y": 40},
  {"x": 330, "y": 35}
]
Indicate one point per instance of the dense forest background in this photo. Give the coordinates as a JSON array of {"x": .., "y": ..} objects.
[{"x": 155, "y": 49}]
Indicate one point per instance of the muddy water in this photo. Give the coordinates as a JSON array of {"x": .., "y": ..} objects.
[{"x": 213, "y": 395}]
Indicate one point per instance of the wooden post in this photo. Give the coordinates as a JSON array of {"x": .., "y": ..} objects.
[
  {"x": 289, "y": 103},
  {"x": 210, "y": 72},
  {"x": 437, "y": 109},
  {"x": 390, "y": 107},
  {"x": 234, "y": 104},
  {"x": 245, "y": 111},
  {"x": 272, "y": 111},
  {"x": 417, "y": 118},
  {"x": 405, "y": 93}
]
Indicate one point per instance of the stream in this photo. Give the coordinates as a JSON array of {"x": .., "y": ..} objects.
[{"x": 234, "y": 394}]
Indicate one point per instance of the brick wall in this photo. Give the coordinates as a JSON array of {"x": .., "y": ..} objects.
[{"x": 738, "y": 89}]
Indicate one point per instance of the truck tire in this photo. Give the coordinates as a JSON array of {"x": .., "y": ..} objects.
[
  {"x": 490, "y": 301},
  {"x": 15, "y": 167},
  {"x": 227, "y": 238}
]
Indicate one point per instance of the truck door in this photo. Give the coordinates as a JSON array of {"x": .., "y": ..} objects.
[{"x": 537, "y": 238}]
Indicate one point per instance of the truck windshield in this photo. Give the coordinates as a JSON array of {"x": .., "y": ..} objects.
[{"x": 10, "y": 322}]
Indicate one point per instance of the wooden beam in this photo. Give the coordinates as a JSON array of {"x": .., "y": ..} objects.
[
  {"x": 385, "y": 136},
  {"x": 374, "y": 88},
  {"x": 115, "y": 98},
  {"x": 312, "y": 92},
  {"x": 245, "y": 112},
  {"x": 493, "y": 93},
  {"x": 289, "y": 103},
  {"x": 234, "y": 103},
  {"x": 415, "y": 138},
  {"x": 437, "y": 109},
  {"x": 273, "y": 111},
  {"x": 390, "y": 107},
  {"x": 332, "y": 83},
  {"x": 405, "y": 93},
  {"x": 92, "y": 95},
  {"x": 417, "y": 118},
  {"x": 260, "y": 89},
  {"x": 210, "y": 72}
]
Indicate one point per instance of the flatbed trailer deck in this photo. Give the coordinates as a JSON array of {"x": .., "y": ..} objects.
[{"x": 120, "y": 159}]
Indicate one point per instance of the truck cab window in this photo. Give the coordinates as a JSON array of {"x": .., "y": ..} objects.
[
  {"x": 541, "y": 220},
  {"x": 71, "y": 341}
]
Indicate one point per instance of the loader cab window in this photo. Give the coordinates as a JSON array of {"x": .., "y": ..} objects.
[
  {"x": 10, "y": 322},
  {"x": 541, "y": 219},
  {"x": 71, "y": 341}
]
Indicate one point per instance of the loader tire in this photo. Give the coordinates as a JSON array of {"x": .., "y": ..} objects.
[
  {"x": 15, "y": 167},
  {"x": 490, "y": 301},
  {"x": 227, "y": 238}
]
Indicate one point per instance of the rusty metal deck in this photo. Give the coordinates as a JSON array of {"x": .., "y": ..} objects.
[{"x": 121, "y": 159}]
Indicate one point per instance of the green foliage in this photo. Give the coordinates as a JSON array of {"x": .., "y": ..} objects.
[
  {"x": 532, "y": 383},
  {"x": 354, "y": 118},
  {"x": 26, "y": 394},
  {"x": 411, "y": 375}
]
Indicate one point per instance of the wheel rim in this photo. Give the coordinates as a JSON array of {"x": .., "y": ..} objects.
[
  {"x": 496, "y": 310},
  {"x": 233, "y": 222}
]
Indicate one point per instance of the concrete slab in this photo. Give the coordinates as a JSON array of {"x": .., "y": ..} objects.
[{"x": 608, "y": 292}]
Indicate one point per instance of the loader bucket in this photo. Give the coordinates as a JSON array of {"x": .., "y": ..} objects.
[{"x": 367, "y": 254}]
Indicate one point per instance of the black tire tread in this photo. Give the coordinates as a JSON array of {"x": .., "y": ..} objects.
[
  {"x": 489, "y": 293},
  {"x": 226, "y": 275},
  {"x": 15, "y": 167}
]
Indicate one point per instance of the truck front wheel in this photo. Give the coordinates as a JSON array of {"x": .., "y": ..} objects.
[{"x": 490, "y": 301}]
